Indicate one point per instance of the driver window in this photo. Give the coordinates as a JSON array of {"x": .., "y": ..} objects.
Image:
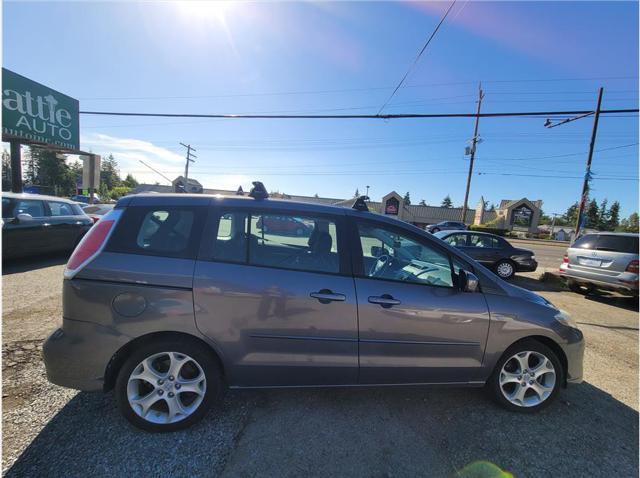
[{"x": 392, "y": 256}]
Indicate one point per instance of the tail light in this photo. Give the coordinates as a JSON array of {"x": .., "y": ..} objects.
[
  {"x": 91, "y": 244},
  {"x": 95, "y": 219},
  {"x": 565, "y": 260},
  {"x": 632, "y": 267}
]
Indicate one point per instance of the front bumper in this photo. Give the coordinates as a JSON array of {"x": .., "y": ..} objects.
[
  {"x": 574, "y": 351},
  {"x": 76, "y": 355},
  {"x": 527, "y": 265}
]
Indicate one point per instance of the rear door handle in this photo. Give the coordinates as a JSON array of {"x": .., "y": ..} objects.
[
  {"x": 325, "y": 296},
  {"x": 384, "y": 300}
]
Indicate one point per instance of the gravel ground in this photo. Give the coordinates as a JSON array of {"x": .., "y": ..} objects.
[{"x": 591, "y": 431}]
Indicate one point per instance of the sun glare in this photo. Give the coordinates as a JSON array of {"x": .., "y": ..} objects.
[{"x": 201, "y": 10}]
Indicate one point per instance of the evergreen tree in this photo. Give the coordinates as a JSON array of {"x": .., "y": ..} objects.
[
  {"x": 446, "y": 202},
  {"x": 130, "y": 181},
  {"x": 53, "y": 172},
  {"x": 571, "y": 216},
  {"x": 407, "y": 199},
  {"x": 109, "y": 173},
  {"x": 357, "y": 193},
  {"x": 614, "y": 216},
  {"x": 423, "y": 202},
  {"x": 592, "y": 214},
  {"x": 603, "y": 216},
  {"x": 6, "y": 171}
]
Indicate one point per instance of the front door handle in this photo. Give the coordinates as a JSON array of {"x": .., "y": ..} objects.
[
  {"x": 385, "y": 300},
  {"x": 325, "y": 296}
]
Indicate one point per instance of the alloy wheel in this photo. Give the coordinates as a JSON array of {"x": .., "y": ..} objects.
[
  {"x": 166, "y": 387},
  {"x": 505, "y": 269},
  {"x": 527, "y": 379}
]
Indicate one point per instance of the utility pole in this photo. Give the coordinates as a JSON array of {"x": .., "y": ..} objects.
[
  {"x": 16, "y": 167},
  {"x": 474, "y": 142},
  {"x": 587, "y": 174},
  {"x": 188, "y": 160}
]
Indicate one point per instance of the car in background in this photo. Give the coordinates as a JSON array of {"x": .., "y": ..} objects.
[
  {"x": 607, "y": 261},
  {"x": 492, "y": 251},
  {"x": 96, "y": 211},
  {"x": 85, "y": 199},
  {"x": 447, "y": 226},
  {"x": 33, "y": 224},
  {"x": 287, "y": 225}
]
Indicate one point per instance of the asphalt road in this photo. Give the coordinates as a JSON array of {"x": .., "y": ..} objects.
[
  {"x": 548, "y": 254},
  {"x": 592, "y": 430}
]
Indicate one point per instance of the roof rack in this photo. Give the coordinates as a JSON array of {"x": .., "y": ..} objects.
[
  {"x": 258, "y": 191},
  {"x": 360, "y": 205}
]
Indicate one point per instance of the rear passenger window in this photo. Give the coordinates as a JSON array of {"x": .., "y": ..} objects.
[
  {"x": 231, "y": 238},
  {"x": 60, "y": 209},
  {"x": 306, "y": 243},
  {"x": 626, "y": 244},
  {"x": 159, "y": 231}
]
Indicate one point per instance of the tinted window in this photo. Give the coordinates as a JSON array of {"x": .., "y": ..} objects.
[
  {"x": 294, "y": 242},
  {"x": 480, "y": 240},
  {"x": 625, "y": 244},
  {"x": 587, "y": 241},
  {"x": 393, "y": 256},
  {"x": 159, "y": 231},
  {"x": 7, "y": 207},
  {"x": 60, "y": 209},
  {"x": 231, "y": 238},
  {"x": 29, "y": 206}
]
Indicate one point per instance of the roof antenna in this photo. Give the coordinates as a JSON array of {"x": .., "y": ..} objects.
[
  {"x": 258, "y": 191},
  {"x": 360, "y": 205}
]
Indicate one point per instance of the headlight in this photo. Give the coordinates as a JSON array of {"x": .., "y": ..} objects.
[
  {"x": 566, "y": 319},
  {"x": 533, "y": 258}
]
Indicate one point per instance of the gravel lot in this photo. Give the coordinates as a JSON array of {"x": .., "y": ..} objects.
[{"x": 591, "y": 431}]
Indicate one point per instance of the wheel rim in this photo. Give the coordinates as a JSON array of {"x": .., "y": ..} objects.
[
  {"x": 527, "y": 379},
  {"x": 166, "y": 387},
  {"x": 505, "y": 269}
]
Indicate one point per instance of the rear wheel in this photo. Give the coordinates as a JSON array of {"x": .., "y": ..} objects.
[
  {"x": 434, "y": 230},
  {"x": 578, "y": 288},
  {"x": 527, "y": 377},
  {"x": 168, "y": 385},
  {"x": 505, "y": 269}
]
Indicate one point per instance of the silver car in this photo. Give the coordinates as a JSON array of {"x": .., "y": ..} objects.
[
  {"x": 171, "y": 298},
  {"x": 602, "y": 261}
]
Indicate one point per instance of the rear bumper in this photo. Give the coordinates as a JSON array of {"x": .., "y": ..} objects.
[
  {"x": 626, "y": 281},
  {"x": 76, "y": 355}
]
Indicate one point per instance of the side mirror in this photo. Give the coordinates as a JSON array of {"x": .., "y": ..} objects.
[
  {"x": 467, "y": 281},
  {"x": 23, "y": 217}
]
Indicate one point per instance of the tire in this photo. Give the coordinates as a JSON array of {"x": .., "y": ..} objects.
[
  {"x": 535, "y": 398},
  {"x": 582, "y": 289},
  {"x": 193, "y": 360},
  {"x": 434, "y": 230},
  {"x": 505, "y": 269}
]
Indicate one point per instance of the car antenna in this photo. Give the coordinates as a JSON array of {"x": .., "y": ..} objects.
[
  {"x": 258, "y": 191},
  {"x": 360, "y": 205}
]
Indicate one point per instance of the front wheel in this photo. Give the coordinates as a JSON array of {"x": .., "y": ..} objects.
[
  {"x": 434, "y": 230},
  {"x": 527, "y": 377},
  {"x": 168, "y": 385},
  {"x": 505, "y": 269}
]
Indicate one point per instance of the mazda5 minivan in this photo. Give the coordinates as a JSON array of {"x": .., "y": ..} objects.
[{"x": 171, "y": 298}]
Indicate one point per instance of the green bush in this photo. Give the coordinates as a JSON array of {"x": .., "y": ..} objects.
[{"x": 490, "y": 230}]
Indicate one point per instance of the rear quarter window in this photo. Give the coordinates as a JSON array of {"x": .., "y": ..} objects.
[
  {"x": 626, "y": 244},
  {"x": 159, "y": 231},
  {"x": 587, "y": 241}
]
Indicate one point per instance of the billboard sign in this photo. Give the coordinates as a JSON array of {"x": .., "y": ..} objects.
[{"x": 34, "y": 113}]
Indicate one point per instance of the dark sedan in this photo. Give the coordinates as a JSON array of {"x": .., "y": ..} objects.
[
  {"x": 33, "y": 224},
  {"x": 447, "y": 226},
  {"x": 492, "y": 251}
]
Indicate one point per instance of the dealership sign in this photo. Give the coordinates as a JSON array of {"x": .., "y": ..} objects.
[{"x": 33, "y": 113}]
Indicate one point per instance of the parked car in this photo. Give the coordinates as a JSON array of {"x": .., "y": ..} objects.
[
  {"x": 170, "y": 298},
  {"x": 283, "y": 225},
  {"x": 492, "y": 251},
  {"x": 33, "y": 224},
  {"x": 447, "y": 226},
  {"x": 96, "y": 211},
  {"x": 604, "y": 260},
  {"x": 84, "y": 198}
]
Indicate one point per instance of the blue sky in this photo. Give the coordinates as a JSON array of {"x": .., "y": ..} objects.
[{"x": 346, "y": 57}]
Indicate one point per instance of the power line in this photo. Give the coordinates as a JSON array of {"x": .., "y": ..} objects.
[
  {"x": 415, "y": 62},
  {"x": 353, "y": 116}
]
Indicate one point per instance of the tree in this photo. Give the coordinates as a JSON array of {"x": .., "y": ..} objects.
[
  {"x": 446, "y": 202},
  {"x": 613, "y": 220},
  {"x": 51, "y": 171},
  {"x": 630, "y": 224},
  {"x": 592, "y": 214},
  {"x": 130, "y": 181},
  {"x": 6, "y": 171},
  {"x": 603, "y": 216},
  {"x": 357, "y": 193},
  {"x": 492, "y": 207},
  {"x": 571, "y": 216},
  {"x": 109, "y": 173},
  {"x": 422, "y": 202},
  {"x": 407, "y": 199}
]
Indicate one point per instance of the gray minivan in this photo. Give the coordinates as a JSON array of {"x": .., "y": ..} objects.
[{"x": 172, "y": 297}]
